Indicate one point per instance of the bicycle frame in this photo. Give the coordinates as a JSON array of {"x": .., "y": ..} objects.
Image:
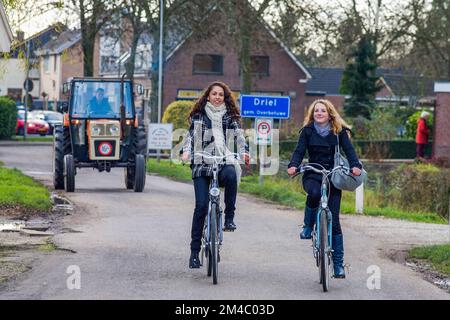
[
  {"x": 316, "y": 233},
  {"x": 323, "y": 209},
  {"x": 212, "y": 241}
]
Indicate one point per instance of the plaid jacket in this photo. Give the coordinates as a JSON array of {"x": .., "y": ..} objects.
[{"x": 199, "y": 138}]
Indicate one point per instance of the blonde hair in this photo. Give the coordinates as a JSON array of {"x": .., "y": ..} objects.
[{"x": 336, "y": 121}]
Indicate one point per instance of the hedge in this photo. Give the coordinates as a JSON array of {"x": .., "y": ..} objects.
[
  {"x": 393, "y": 149},
  {"x": 177, "y": 113},
  {"x": 8, "y": 118}
]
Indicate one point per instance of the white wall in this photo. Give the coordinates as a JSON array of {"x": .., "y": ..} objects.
[
  {"x": 13, "y": 74},
  {"x": 51, "y": 79}
]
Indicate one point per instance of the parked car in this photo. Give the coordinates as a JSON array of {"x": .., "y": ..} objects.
[
  {"x": 34, "y": 124},
  {"x": 51, "y": 117}
]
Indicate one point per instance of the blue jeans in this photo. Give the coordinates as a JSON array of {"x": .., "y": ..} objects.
[
  {"x": 312, "y": 188},
  {"x": 227, "y": 179}
]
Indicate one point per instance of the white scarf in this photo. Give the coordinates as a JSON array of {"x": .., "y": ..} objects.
[{"x": 215, "y": 114}]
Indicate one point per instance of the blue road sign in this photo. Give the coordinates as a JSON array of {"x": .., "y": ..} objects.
[{"x": 276, "y": 107}]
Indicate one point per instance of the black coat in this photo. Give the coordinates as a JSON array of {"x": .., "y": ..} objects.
[{"x": 321, "y": 150}]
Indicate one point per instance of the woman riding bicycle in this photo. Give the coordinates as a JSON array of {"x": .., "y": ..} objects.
[
  {"x": 215, "y": 125},
  {"x": 321, "y": 127}
]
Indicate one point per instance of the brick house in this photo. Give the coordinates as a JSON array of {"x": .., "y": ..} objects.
[
  {"x": 397, "y": 87},
  {"x": 198, "y": 60},
  {"x": 60, "y": 59},
  {"x": 441, "y": 138}
]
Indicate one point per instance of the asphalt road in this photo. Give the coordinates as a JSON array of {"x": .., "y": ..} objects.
[{"x": 136, "y": 246}]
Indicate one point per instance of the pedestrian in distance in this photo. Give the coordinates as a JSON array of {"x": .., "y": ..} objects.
[
  {"x": 321, "y": 128},
  {"x": 215, "y": 123},
  {"x": 422, "y": 133}
]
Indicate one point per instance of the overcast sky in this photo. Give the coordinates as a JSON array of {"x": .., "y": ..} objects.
[{"x": 34, "y": 23}]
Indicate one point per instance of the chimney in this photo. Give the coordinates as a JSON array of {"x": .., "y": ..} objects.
[{"x": 20, "y": 36}]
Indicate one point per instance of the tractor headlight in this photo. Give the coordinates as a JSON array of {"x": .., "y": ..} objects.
[
  {"x": 114, "y": 130},
  {"x": 96, "y": 130}
]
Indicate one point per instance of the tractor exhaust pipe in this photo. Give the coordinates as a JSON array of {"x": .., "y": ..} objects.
[{"x": 122, "y": 107}]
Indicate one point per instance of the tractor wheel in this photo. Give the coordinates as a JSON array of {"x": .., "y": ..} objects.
[
  {"x": 61, "y": 147},
  {"x": 139, "y": 173},
  {"x": 139, "y": 142},
  {"x": 69, "y": 170},
  {"x": 129, "y": 178}
]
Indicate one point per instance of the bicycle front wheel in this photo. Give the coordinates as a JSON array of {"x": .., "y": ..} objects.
[
  {"x": 213, "y": 241},
  {"x": 323, "y": 251}
]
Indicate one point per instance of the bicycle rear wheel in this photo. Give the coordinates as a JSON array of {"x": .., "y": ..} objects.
[
  {"x": 323, "y": 252},
  {"x": 213, "y": 241}
]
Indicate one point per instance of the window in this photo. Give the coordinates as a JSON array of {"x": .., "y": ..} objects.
[
  {"x": 46, "y": 64},
  {"x": 260, "y": 65},
  {"x": 109, "y": 53},
  {"x": 54, "y": 66},
  {"x": 208, "y": 64}
]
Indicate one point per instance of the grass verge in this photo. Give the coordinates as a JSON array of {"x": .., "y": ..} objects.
[
  {"x": 290, "y": 193},
  {"x": 437, "y": 255},
  {"x": 19, "y": 191},
  {"x": 33, "y": 139}
]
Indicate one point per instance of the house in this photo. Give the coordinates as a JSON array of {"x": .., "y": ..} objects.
[
  {"x": 198, "y": 60},
  {"x": 325, "y": 84},
  {"x": 6, "y": 35},
  {"x": 59, "y": 59},
  {"x": 62, "y": 58},
  {"x": 398, "y": 86},
  {"x": 14, "y": 67}
]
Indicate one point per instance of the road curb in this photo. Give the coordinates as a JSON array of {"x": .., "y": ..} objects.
[{"x": 25, "y": 143}]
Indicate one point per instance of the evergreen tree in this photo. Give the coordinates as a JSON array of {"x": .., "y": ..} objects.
[{"x": 359, "y": 79}]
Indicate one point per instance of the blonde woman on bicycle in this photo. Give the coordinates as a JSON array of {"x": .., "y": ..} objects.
[{"x": 322, "y": 127}]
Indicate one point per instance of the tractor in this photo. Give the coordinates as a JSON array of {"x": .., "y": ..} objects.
[{"x": 101, "y": 130}]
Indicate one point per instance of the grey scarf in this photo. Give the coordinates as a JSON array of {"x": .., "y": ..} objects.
[
  {"x": 322, "y": 129},
  {"x": 215, "y": 114}
]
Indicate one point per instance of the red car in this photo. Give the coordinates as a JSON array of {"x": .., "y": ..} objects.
[{"x": 35, "y": 125}]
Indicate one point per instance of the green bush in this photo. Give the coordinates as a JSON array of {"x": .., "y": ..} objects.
[
  {"x": 411, "y": 124},
  {"x": 420, "y": 187},
  {"x": 178, "y": 113},
  {"x": 8, "y": 117}
]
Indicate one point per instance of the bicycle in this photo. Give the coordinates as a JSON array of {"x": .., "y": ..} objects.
[
  {"x": 212, "y": 237},
  {"x": 321, "y": 234}
]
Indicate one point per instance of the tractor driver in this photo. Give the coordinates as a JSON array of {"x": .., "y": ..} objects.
[{"x": 99, "y": 104}]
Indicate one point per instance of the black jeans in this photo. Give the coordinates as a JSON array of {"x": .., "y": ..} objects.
[
  {"x": 227, "y": 179},
  {"x": 312, "y": 188}
]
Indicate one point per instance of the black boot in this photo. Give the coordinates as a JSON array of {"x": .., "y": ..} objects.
[
  {"x": 229, "y": 226},
  {"x": 194, "y": 261},
  {"x": 338, "y": 256},
  {"x": 308, "y": 222}
]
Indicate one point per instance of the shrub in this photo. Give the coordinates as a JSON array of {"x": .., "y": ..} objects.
[
  {"x": 177, "y": 113},
  {"x": 420, "y": 187},
  {"x": 8, "y": 117},
  {"x": 411, "y": 124}
]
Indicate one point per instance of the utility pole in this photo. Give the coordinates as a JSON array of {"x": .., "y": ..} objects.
[
  {"x": 160, "y": 67},
  {"x": 25, "y": 123}
]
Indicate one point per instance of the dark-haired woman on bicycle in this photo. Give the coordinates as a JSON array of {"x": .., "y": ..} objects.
[
  {"x": 214, "y": 119},
  {"x": 321, "y": 128}
]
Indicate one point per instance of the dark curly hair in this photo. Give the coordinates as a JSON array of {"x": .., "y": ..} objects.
[{"x": 229, "y": 101}]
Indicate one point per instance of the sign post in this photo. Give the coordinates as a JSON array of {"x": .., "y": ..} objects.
[
  {"x": 159, "y": 137},
  {"x": 264, "y": 109}
]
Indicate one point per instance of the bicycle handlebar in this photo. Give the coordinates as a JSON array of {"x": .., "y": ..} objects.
[
  {"x": 322, "y": 171},
  {"x": 217, "y": 158}
]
